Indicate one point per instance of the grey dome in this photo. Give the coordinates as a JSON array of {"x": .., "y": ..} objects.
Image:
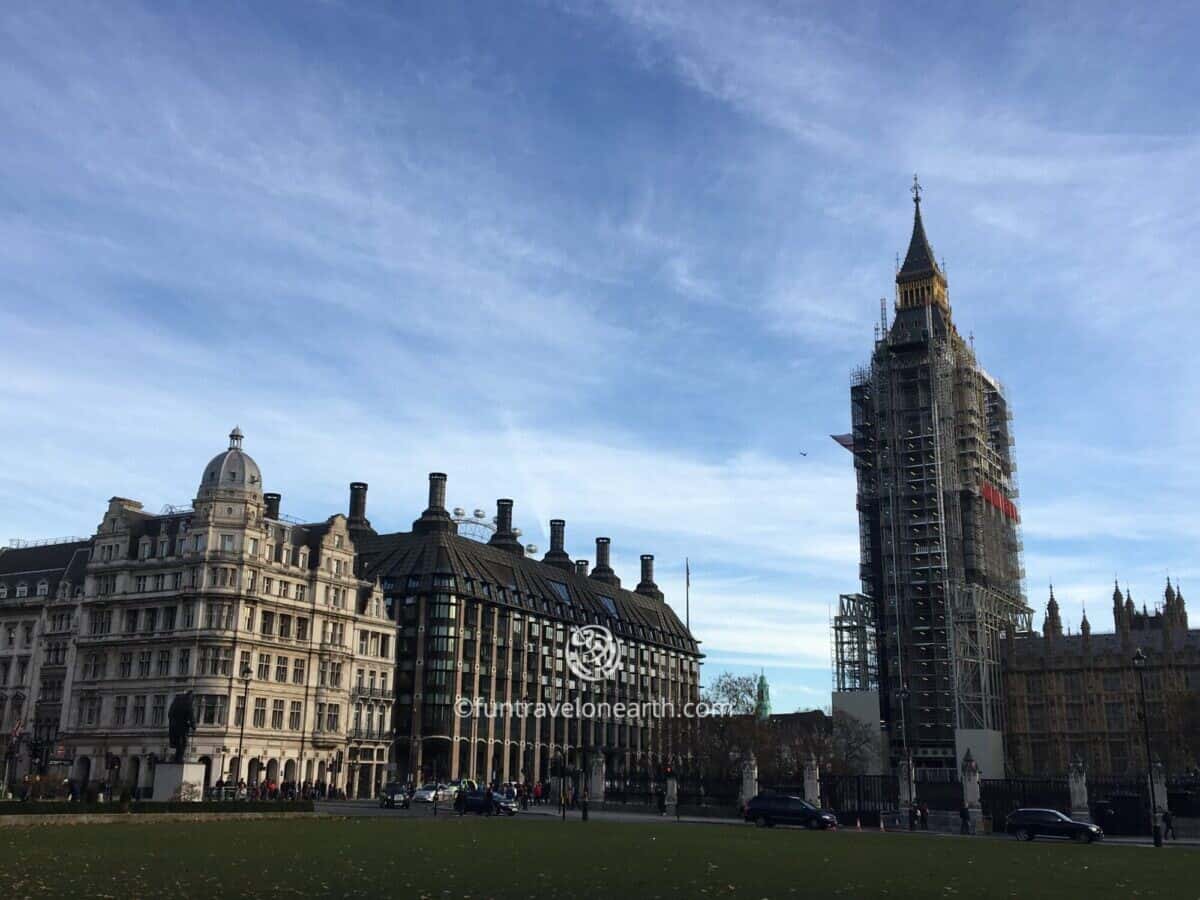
[{"x": 232, "y": 470}]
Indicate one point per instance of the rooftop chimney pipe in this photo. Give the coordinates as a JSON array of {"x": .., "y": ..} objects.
[
  {"x": 437, "y": 490},
  {"x": 435, "y": 517},
  {"x": 358, "y": 501},
  {"x": 272, "y": 505},
  {"x": 505, "y": 538},
  {"x": 603, "y": 571},
  {"x": 556, "y": 555},
  {"x": 647, "y": 587},
  {"x": 504, "y": 516},
  {"x": 581, "y": 567}
]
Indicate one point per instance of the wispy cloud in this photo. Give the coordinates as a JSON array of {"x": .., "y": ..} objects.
[{"x": 615, "y": 262}]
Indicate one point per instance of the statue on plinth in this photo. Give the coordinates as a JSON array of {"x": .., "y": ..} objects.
[{"x": 181, "y": 722}]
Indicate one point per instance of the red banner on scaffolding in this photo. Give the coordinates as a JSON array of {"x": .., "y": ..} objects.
[{"x": 996, "y": 497}]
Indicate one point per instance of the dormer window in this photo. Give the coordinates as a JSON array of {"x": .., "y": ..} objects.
[
  {"x": 43, "y": 588},
  {"x": 3, "y": 591},
  {"x": 22, "y": 589}
]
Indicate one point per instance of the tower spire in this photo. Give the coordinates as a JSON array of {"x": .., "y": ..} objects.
[{"x": 920, "y": 282}]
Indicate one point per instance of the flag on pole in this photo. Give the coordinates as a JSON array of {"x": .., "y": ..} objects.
[{"x": 687, "y": 593}]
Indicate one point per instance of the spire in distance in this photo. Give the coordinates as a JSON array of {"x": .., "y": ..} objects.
[{"x": 919, "y": 262}]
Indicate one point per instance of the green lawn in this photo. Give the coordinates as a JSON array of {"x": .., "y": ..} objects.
[{"x": 479, "y": 858}]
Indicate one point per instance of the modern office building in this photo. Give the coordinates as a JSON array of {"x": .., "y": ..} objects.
[{"x": 485, "y": 621}]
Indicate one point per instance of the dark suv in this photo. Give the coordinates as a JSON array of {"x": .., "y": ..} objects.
[
  {"x": 393, "y": 796},
  {"x": 769, "y": 810},
  {"x": 1026, "y": 824}
]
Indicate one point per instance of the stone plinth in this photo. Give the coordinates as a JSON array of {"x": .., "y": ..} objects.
[
  {"x": 178, "y": 781},
  {"x": 595, "y": 778},
  {"x": 749, "y": 788}
]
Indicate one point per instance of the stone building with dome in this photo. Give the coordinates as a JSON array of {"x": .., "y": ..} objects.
[
  {"x": 288, "y": 654},
  {"x": 1075, "y": 697},
  {"x": 292, "y": 638}
]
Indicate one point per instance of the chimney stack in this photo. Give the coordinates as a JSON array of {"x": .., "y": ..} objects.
[
  {"x": 603, "y": 571},
  {"x": 556, "y": 555},
  {"x": 272, "y": 505},
  {"x": 505, "y": 538},
  {"x": 358, "y": 501},
  {"x": 435, "y": 517},
  {"x": 437, "y": 490},
  {"x": 647, "y": 587},
  {"x": 581, "y": 567},
  {"x": 357, "y": 521}
]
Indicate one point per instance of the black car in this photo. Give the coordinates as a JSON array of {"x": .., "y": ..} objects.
[
  {"x": 1026, "y": 824},
  {"x": 768, "y": 810},
  {"x": 476, "y": 801},
  {"x": 393, "y": 796}
]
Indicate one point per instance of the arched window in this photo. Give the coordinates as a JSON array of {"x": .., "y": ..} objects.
[
  {"x": 22, "y": 589},
  {"x": 43, "y": 588},
  {"x": 3, "y": 591}
]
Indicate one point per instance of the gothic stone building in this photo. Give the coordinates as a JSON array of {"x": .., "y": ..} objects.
[
  {"x": 486, "y": 621},
  {"x": 1076, "y": 696}
]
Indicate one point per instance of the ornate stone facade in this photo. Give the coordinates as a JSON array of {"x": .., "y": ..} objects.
[
  {"x": 1076, "y": 696},
  {"x": 289, "y": 655}
]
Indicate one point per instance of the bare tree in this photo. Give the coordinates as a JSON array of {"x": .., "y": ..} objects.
[
  {"x": 740, "y": 692},
  {"x": 852, "y": 743}
]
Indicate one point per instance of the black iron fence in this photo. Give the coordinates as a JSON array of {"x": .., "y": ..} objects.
[
  {"x": 860, "y": 799},
  {"x": 1183, "y": 795},
  {"x": 1000, "y": 796},
  {"x": 709, "y": 792},
  {"x": 1120, "y": 805},
  {"x": 630, "y": 790},
  {"x": 942, "y": 794}
]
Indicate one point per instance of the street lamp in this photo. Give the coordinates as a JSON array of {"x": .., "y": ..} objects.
[
  {"x": 1139, "y": 665},
  {"x": 246, "y": 674},
  {"x": 562, "y": 781},
  {"x": 902, "y": 695}
]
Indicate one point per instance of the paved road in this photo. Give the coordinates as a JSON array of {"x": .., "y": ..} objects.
[{"x": 543, "y": 813}]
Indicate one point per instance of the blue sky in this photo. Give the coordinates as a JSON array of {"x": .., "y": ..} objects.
[{"x": 615, "y": 261}]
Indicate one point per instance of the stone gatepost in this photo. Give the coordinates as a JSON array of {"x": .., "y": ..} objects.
[
  {"x": 672, "y": 795},
  {"x": 595, "y": 778},
  {"x": 812, "y": 781},
  {"x": 907, "y": 788},
  {"x": 1077, "y": 784},
  {"x": 970, "y": 786},
  {"x": 749, "y": 787}
]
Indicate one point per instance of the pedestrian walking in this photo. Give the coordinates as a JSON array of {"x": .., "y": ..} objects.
[{"x": 1168, "y": 825}]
